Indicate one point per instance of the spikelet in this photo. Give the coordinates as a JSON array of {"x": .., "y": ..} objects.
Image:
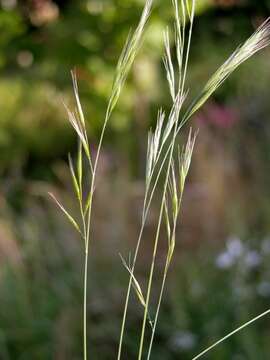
[
  {"x": 184, "y": 159},
  {"x": 127, "y": 56},
  {"x": 258, "y": 41},
  {"x": 176, "y": 184},
  {"x": 167, "y": 60},
  {"x": 153, "y": 145}
]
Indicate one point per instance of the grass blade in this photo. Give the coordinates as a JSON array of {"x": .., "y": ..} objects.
[{"x": 69, "y": 217}]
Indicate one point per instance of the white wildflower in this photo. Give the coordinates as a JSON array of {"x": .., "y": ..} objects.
[
  {"x": 235, "y": 246},
  {"x": 183, "y": 340},
  {"x": 253, "y": 259},
  {"x": 266, "y": 246},
  {"x": 225, "y": 260},
  {"x": 263, "y": 289}
]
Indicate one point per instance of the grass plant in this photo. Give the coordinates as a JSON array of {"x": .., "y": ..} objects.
[{"x": 167, "y": 165}]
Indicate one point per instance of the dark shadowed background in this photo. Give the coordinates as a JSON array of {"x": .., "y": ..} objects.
[{"x": 220, "y": 277}]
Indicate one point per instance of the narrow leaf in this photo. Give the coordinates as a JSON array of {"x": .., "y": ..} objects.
[
  {"x": 88, "y": 202},
  {"x": 79, "y": 166},
  {"x": 76, "y": 93},
  {"x": 74, "y": 179},
  {"x": 135, "y": 283},
  {"x": 69, "y": 217}
]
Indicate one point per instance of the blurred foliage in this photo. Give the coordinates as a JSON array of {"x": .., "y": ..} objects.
[
  {"x": 40, "y": 280},
  {"x": 208, "y": 294}
]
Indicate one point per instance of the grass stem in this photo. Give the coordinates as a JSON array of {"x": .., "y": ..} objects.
[{"x": 231, "y": 334}]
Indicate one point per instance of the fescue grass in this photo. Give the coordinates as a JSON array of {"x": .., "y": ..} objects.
[{"x": 167, "y": 165}]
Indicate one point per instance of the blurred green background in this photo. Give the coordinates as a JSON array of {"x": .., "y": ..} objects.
[{"x": 221, "y": 273}]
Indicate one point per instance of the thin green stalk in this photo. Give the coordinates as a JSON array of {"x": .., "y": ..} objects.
[
  {"x": 150, "y": 283},
  {"x": 158, "y": 308},
  {"x": 149, "y": 287},
  {"x": 161, "y": 294},
  {"x": 87, "y": 239},
  {"x": 85, "y": 307},
  {"x": 85, "y": 283},
  {"x": 128, "y": 292},
  {"x": 146, "y": 208},
  {"x": 231, "y": 334}
]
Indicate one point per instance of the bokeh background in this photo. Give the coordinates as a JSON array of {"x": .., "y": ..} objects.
[{"x": 220, "y": 277}]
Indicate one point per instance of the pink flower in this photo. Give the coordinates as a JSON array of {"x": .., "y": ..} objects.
[{"x": 218, "y": 115}]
